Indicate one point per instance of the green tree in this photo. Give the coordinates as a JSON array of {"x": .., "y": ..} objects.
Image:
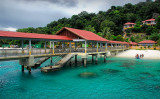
[
  {"x": 158, "y": 22},
  {"x": 90, "y": 28},
  {"x": 119, "y": 38}
]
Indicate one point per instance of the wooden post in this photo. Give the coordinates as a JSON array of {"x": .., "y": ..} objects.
[
  {"x": 30, "y": 47},
  {"x": 85, "y": 46},
  {"x": 22, "y": 47},
  {"x": 92, "y": 58},
  {"x": 45, "y": 47},
  {"x": 22, "y": 68},
  {"x": 97, "y": 46}
]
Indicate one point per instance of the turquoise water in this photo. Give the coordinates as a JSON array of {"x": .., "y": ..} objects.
[{"x": 118, "y": 78}]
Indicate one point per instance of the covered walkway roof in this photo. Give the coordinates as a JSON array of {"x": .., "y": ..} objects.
[
  {"x": 87, "y": 35},
  {"x": 31, "y": 36},
  {"x": 118, "y": 42}
]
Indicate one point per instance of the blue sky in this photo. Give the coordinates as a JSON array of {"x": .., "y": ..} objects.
[{"x": 16, "y": 14}]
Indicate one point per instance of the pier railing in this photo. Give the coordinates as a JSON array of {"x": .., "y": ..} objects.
[{"x": 38, "y": 51}]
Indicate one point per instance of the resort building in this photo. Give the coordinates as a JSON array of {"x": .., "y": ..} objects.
[
  {"x": 149, "y": 22},
  {"x": 133, "y": 45},
  {"x": 147, "y": 43},
  {"x": 128, "y": 25}
]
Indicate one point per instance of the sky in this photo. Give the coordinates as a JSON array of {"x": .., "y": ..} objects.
[{"x": 16, "y": 14}]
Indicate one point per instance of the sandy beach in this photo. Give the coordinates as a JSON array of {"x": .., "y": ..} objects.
[{"x": 148, "y": 54}]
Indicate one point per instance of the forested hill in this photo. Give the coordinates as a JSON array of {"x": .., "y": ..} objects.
[{"x": 104, "y": 23}]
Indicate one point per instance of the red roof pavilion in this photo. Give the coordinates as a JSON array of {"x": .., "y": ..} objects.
[
  {"x": 147, "y": 42},
  {"x": 80, "y": 34}
]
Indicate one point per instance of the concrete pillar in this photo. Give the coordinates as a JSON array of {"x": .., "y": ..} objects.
[
  {"x": 45, "y": 46},
  {"x": 30, "y": 47},
  {"x": 53, "y": 48},
  {"x": 85, "y": 62},
  {"x": 97, "y": 46},
  {"x": 85, "y": 46},
  {"x": 76, "y": 59},
  {"x": 104, "y": 57},
  {"x": 22, "y": 47},
  {"x": 22, "y": 68},
  {"x": 92, "y": 58},
  {"x": 106, "y": 47},
  {"x": 96, "y": 59}
]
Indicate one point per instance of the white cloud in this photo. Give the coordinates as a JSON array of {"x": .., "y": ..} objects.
[{"x": 8, "y": 29}]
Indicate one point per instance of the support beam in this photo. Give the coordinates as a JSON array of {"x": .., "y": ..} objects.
[
  {"x": 92, "y": 58},
  {"x": 30, "y": 47},
  {"x": 85, "y": 62},
  {"x": 106, "y": 46},
  {"x": 50, "y": 44},
  {"x": 45, "y": 47},
  {"x": 70, "y": 46},
  {"x": 104, "y": 57},
  {"x": 75, "y": 46},
  {"x": 85, "y": 46},
  {"x": 22, "y": 47},
  {"x": 53, "y": 48},
  {"x": 96, "y": 59},
  {"x": 97, "y": 46},
  {"x": 29, "y": 69},
  {"x": 76, "y": 59},
  {"x": 22, "y": 68},
  {"x": 51, "y": 60}
]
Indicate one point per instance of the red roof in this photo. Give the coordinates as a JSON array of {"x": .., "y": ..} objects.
[
  {"x": 8, "y": 34},
  {"x": 133, "y": 43},
  {"x": 150, "y": 20},
  {"x": 87, "y": 35},
  {"x": 118, "y": 42},
  {"x": 128, "y": 23},
  {"x": 147, "y": 42}
]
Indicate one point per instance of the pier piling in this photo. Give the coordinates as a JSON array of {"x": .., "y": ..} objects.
[{"x": 22, "y": 68}]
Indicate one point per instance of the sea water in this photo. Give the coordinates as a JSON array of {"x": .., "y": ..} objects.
[{"x": 120, "y": 78}]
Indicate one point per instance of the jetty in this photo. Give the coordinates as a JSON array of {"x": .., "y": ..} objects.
[{"x": 65, "y": 44}]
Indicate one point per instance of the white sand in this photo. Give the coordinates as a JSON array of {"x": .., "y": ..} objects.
[{"x": 148, "y": 54}]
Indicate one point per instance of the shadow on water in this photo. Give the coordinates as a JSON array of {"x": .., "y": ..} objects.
[
  {"x": 111, "y": 71},
  {"x": 146, "y": 74},
  {"x": 88, "y": 75}
]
